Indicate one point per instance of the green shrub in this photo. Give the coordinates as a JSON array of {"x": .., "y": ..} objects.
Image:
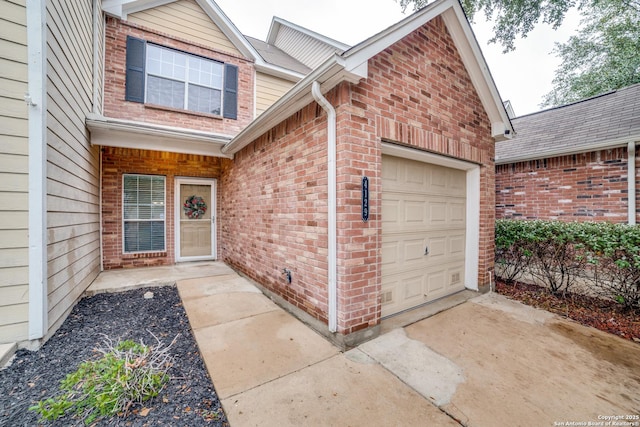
[
  {"x": 605, "y": 256},
  {"x": 128, "y": 373}
]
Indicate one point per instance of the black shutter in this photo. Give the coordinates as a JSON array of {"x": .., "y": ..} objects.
[
  {"x": 135, "y": 69},
  {"x": 230, "y": 92}
]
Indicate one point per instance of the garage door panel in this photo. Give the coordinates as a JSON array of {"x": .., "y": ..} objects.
[
  {"x": 437, "y": 212},
  {"x": 390, "y": 253},
  {"x": 415, "y": 213},
  {"x": 457, "y": 213},
  {"x": 412, "y": 288},
  {"x": 423, "y": 206},
  {"x": 407, "y": 252}
]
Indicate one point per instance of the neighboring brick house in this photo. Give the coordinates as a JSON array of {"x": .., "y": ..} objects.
[
  {"x": 578, "y": 162},
  {"x": 207, "y": 145}
]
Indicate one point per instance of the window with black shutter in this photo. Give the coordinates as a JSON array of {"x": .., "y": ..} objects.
[{"x": 171, "y": 78}]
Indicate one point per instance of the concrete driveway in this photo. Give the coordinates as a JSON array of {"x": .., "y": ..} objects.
[
  {"x": 495, "y": 362},
  {"x": 486, "y": 362}
]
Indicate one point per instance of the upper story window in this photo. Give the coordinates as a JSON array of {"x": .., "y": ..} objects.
[{"x": 163, "y": 76}]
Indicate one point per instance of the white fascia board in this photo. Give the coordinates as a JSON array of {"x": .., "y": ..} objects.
[
  {"x": 276, "y": 71},
  {"x": 276, "y": 23},
  {"x": 229, "y": 29},
  {"x": 367, "y": 49},
  {"x": 568, "y": 151},
  {"x": 121, "y": 8},
  {"x": 478, "y": 70},
  {"x": 329, "y": 74},
  {"x": 144, "y": 136}
]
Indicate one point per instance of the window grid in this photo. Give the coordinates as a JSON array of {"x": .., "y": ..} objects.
[
  {"x": 143, "y": 213},
  {"x": 184, "y": 81}
]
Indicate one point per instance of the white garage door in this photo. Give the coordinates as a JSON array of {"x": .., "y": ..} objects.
[{"x": 423, "y": 233}]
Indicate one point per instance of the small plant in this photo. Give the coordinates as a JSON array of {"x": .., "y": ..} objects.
[{"x": 128, "y": 373}]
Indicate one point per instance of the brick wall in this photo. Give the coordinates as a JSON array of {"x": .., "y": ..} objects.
[
  {"x": 583, "y": 187},
  {"x": 274, "y": 192},
  {"x": 119, "y": 161},
  {"x": 115, "y": 106}
]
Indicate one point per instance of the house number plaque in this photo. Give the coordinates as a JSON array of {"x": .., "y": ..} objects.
[{"x": 365, "y": 199}]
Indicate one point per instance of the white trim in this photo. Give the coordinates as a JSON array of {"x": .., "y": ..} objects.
[
  {"x": 472, "y": 235},
  {"x": 567, "y": 151},
  {"x": 212, "y": 208},
  {"x": 112, "y": 132},
  {"x": 332, "y": 244},
  {"x": 97, "y": 14},
  {"x": 472, "y": 232},
  {"x": 475, "y": 64},
  {"x": 37, "y": 57},
  {"x": 123, "y": 220},
  {"x": 352, "y": 66},
  {"x": 329, "y": 74},
  {"x": 277, "y": 22}
]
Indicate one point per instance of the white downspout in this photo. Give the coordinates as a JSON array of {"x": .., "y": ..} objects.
[
  {"x": 331, "y": 202},
  {"x": 36, "y": 100},
  {"x": 631, "y": 182}
]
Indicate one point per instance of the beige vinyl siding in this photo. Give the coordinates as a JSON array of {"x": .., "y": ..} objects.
[
  {"x": 306, "y": 49},
  {"x": 73, "y": 242},
  {"x": 185, "y": 19},
  {"x": 14, "y": 173},
  {"x": 268, "y": 90}
]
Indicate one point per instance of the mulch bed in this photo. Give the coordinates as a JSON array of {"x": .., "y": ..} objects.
[
  {"x": 605, "y": 315},
  {"x": 189, "y": 398}
]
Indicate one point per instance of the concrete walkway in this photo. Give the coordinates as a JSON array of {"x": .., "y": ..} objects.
[{"x": 486, "y": 362}]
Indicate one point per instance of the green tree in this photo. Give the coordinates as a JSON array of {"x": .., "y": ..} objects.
[{"x": 603, "y": 56}]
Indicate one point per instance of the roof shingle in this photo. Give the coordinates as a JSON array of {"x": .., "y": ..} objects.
[{"x": 569, "y": 129}]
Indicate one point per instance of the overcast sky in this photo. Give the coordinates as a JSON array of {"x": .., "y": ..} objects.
[{"x": 522, "y": 76}]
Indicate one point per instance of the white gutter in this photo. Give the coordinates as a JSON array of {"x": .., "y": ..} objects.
[
  {"x": 112, "y": 132},
  {"x": 596, "y": 146},
  {"x": 36, "y": 100},
  {"x": 331, "y": 205},
  {"x": 631, "y": 182}
]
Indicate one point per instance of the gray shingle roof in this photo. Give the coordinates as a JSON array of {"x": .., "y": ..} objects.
[
  {"x": 573, "y": 128},
  {"x": 275, "y": 56}
]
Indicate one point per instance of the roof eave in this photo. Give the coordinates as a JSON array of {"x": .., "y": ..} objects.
[
  {"x": 473, "y": 60},
  {"x": 333, "y": 71},
  {"x": 113, "y": 132},
  {"x": 468, "y": 48},
  {"x": 568, "y": 151},
  {"x": 276, "y": 23},
  {"x": 121, "y": 8},
  {"x": 276, "y": 71}
]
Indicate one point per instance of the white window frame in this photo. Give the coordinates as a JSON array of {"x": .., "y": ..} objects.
[
  {"x": 164, "y": 219},
  {"x": 186, "y": 82}
]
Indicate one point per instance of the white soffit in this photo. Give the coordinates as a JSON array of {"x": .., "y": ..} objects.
[{"x": 111, "y": 132}]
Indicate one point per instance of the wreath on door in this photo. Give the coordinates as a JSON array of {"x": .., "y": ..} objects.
[{"x": 194, "y": 207}]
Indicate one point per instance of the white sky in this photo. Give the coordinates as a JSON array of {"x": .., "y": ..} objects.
[{"x": 522, "y": 76}]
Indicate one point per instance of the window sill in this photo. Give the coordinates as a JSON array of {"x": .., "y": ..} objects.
[
  {"x": 138, "y": 255},
  {"x": 180, "y": 110}
]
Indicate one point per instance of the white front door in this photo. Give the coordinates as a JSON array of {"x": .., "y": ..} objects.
[{"x": 195, "y": 215}]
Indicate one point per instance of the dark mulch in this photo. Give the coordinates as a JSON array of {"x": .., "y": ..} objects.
[
  {"x": 599, "y": 313},
  {"x": 189, "y": 398}
]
